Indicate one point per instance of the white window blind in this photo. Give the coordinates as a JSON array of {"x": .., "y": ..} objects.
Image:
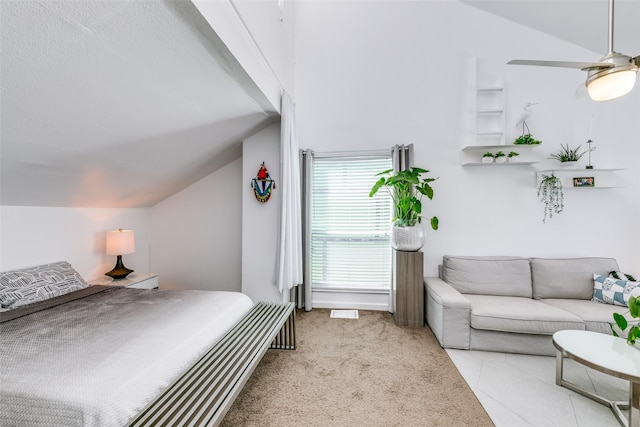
[{"x": 350, "y": 231}]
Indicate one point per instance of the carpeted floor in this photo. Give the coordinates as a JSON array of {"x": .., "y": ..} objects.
[{"x": 357, "y": 372}]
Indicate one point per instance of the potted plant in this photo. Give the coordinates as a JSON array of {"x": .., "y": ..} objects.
[
  {"x": 512, "y": 156},
  {"x": 568, "y": 157},
  {"x": 550, "y": 193},
  {"x": 487, "y": 157},
  {"x": 406, "y": 189},
  {"x": 622, "y": 323},
  {"x": 526, "y": 139},
  {"x": 500, "y": 157}
]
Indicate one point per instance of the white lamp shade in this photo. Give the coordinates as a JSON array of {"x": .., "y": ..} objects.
[
  {"x": 611, "y": 86},
  {"x": 120, "y": 242}
]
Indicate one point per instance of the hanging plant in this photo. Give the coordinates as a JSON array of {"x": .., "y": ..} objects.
[
  {"x": 526, "y": 139},
  {"x": 550, "y": 193}
]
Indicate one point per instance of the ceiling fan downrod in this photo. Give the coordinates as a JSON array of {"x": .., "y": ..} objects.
[{"x": 610, "y": 26}]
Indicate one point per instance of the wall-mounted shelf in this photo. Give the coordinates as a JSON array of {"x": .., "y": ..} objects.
[
  {"x": 503, "y": 147},
  {"x": 471, "y": 155},
  {"x": 488, "y": 115},
  {"x": 518, "y": 163},
  {"x": 583, "y": 178},
  {"x": 487, "y": 107}
]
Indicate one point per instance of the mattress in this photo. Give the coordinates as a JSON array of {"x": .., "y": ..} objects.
[{"x": 98, "y": 360}]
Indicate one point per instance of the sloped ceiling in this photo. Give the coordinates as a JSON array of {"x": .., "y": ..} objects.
[
  {"x": 116, "y": 103},
  {"x": 123, "y": 103},
  {"x": 581, "y": 22}
]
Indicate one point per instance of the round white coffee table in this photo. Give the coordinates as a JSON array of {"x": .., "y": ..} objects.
[{"x": 604, "y": 353}]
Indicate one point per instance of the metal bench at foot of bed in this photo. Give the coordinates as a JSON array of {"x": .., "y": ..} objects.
[{"x": 204, "y": 394}]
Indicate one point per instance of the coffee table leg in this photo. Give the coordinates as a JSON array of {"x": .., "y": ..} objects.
[
  {"x": 634, "y": 404},
  {"x": 559, "y": 366}
]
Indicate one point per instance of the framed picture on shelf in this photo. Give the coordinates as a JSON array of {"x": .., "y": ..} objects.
[{"x": 584, "y": 181}]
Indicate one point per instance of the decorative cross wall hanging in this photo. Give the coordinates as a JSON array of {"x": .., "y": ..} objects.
[{"x": 262, "y": 184}]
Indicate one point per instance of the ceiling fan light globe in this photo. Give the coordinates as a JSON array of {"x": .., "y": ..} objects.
[{"x": 612, "y": 85}]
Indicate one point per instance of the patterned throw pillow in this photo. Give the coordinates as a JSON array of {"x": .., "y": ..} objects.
[
  {"x": 21, "y": 287},
  {"x": 610, "y": 290},
  {"x": 622, "y": 276}
]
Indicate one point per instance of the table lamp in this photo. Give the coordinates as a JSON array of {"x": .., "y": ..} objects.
[{"x": 120, "y": 242}]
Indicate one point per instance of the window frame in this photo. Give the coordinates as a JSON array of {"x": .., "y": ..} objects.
[{"x": 320, "y": 286}]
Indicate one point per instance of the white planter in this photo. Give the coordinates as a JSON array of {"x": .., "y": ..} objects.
[
  {"x": 487, "y": 160},
  {"x": 501, "y": 159},
  {"x": 568, "y": 165},
  {"x": 512, "y": 159},
  {"x": 408, "y": 239}
]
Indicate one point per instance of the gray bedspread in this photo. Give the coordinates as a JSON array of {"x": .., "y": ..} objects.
[{"x": 100, "y": 359}]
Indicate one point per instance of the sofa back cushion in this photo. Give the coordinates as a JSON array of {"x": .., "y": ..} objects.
[
  {"x": 568, "y": 277},
  {"x": 505, "y": 276}
]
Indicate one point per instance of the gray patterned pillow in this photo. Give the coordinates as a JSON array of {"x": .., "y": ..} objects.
[{"x": 27, "y": 285}]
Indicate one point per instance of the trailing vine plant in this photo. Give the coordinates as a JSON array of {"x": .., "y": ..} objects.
[{"x": 550, "y": 193}]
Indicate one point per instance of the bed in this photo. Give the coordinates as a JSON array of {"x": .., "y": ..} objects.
[{"x": 99, "y": 355}]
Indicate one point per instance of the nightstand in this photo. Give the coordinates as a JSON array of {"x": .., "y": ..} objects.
[{"x": 133, "y": 280}]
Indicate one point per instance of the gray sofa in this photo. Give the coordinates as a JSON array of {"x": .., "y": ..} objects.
[{"x": 515, "y": 304}]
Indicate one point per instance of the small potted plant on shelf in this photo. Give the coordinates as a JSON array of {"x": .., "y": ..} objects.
[
  {"x": 550, "y": 193},
  {"x": 500, "y": 157},
  {"x": 487, "y": 157},
  {"x": 526, "y": 139},
  {"x": 568, "y": 157},
  {"x": 406, "y": 189},
  {"x": 512, "y": 156}
]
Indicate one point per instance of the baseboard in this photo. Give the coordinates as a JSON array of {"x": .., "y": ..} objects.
[{"x": 350, "y": 305}]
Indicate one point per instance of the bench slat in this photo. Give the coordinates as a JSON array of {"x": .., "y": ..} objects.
[{"x": 204, "y": 394}]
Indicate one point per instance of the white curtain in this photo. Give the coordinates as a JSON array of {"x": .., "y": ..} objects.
[{"x": 289, "y": 272}]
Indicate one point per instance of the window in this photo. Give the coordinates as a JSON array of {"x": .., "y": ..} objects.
[{"x": 350, "y": 231}]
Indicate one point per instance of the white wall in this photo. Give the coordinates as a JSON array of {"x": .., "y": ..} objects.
[
  {"x": 372, "y": 74},
  {"x": 38, "y": 235},
  {"x": 195, "y": 234},
  {"x": 260, "y": 221}
]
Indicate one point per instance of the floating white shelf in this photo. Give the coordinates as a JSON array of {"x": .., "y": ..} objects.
[
  {"x": 582, "y": 178},
  {"x": 518, "y": 163},
  {"x": 490, "y": 89},
  {"x": 504, "y": 147},
  {"x": 471, "y": 155}
]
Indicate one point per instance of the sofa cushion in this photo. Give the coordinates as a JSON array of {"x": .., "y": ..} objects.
[
  {"x": 609, "y": 290},
  {"x": 569, "y": 277},
  {"x": 597, "y": 317},
  {"x": 519, "y": 315},
  {"x": 506, "y": 276}
]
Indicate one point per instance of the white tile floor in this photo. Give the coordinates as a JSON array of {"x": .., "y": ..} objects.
[{"x": 519, "y": 390}]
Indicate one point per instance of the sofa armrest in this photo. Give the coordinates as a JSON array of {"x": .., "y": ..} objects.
[{"x": 448, "y": 313}]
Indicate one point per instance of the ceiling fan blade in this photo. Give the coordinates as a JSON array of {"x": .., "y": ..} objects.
[{"x": 562, "y": 64}]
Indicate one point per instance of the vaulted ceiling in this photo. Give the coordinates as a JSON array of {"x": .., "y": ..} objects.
[
  {"x": 123, "y": 103},
  {"x": 116, "y": 103},
  {"x": 581, "y": 22}
]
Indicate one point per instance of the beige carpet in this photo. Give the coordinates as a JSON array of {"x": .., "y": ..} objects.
[{"x": 362, "y": 372}]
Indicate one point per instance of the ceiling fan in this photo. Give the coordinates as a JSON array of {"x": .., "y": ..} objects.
[{"x": 612, "y": 77}]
